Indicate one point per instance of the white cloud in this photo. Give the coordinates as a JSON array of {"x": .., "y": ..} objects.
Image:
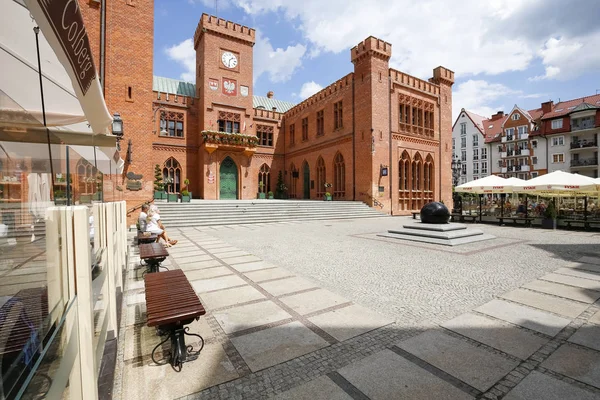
[
  {"x": 222, "y": 5},
  {"x": 568, "y": 58},
  {"x": 184, "y": 54},
  {"x": 480, "y": 97},
  {"x": 308, "y": 89},
  {"x": 279, "y": 64},
  {"x": 470, "y": 37}
]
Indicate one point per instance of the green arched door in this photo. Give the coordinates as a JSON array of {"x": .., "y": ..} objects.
[
  {"x": 228, "y": 177},
  {"x": 306, "y": 181}
]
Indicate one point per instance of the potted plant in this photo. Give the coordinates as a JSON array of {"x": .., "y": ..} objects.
[
  {"x": 185, "y": 196},
  {"x": 327, "y": 196},
  {"x": 549, "y": 220},
  {"x": 159, "y": 186},
  {"x": 187, "y": 188},
  {"x": 271, "y": 195},
  {"x": 281, "y": 191},
  {"x": 260, "y": 194}
]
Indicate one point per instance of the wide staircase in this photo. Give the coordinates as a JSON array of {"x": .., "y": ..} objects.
[{"x": 233, "y": 212}]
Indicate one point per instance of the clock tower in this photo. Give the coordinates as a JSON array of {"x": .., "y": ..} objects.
[{"x": 224, "y": 84}]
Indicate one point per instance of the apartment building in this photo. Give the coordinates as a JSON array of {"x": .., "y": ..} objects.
[{"x": 468, "y": 145}]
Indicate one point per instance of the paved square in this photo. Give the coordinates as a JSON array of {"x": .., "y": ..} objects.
[
  {"x": 289, "y": 285},
  {"x": 553, "y": 389},
  {"x": 577, "y": 363},
  {"x": 229, "y": 297},
  {"x": 345, "y": 323},
  {"x": 315, "y": 300},
  {"x": 250, "y": 316}
]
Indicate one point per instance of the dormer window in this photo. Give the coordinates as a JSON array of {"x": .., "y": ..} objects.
[{"x": 516, "y": 116}]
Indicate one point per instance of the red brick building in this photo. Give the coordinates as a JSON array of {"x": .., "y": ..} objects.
[{"x": 376, "y": 135}]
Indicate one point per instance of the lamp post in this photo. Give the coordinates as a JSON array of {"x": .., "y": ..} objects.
[
  {"x": 163, "y": 131},
  {"x": 456, "y": 172},
  {"x": 117, "y": 128}
]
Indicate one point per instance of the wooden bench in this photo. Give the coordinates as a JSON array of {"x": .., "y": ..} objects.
[
  {"x": 463, "y": 218},
  {"x": 171, "y": 304},
  {"x": 526, "y": 221},
  {"x": 153, "y": 254},
  {"x": 145, "y": 237},
  {"x": 415, "y": 214},
  {"x": 580, "y": 222}
]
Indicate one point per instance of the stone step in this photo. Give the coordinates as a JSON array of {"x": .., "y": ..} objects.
[
  {"x": 259, "y": 221},
  {"x": 178, "y": 216}
]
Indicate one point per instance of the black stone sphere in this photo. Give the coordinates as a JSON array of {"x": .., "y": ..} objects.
[{"x": 435, "y": 213}]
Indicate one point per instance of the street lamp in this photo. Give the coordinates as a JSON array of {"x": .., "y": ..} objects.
[
  {"x": 456, "y": 172},
  {"x": 117, "y": 128},
  {"x": 163, "y": 131}
]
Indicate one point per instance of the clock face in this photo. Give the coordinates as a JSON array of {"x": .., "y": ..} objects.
[{"x": 229, "y": 59}]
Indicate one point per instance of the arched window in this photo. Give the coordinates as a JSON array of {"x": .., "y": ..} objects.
[
  {"x": 294, "y": 174},
  {"x": 264, "y": 177},
  {"x": 417, "y": 183},
  {"x": 321, "y": 177},
  {"x": 86, "y": 179},
  {"x": 172, "y": 175},
  {"x": 428, "y": 180},
  {"x": 404, "y": 184},
  {"x": 339, "y": 176}
]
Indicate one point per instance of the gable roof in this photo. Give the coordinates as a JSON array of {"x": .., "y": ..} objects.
[
  {"x": 567, "y": 107},
  {"x": 475, "y": 118},
  {"x": 493, "y": 129},
  {"x": 268, "y": 104}
]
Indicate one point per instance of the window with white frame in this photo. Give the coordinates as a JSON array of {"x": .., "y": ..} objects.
[
  {"x": 558, "y": 141},
  {"x": 484, "y": 153},
  {"x": 509, "y": 133},
  {"x": 534, "y": 174},
  {"x": 453, "y": 143},
  {"x": 475, "y": 167},
  {"x": 516, "y": 116},
  {"x": 475, "y": 177},
  {"x": 534, "y": 160},
  {"x": 463, "y": 142},
  {"x": 475, "y": 154},
  {"x": 500, "y": 148},
  {"x": 484, "y": 167},
  {"x": 463, "y": 155},
  {"x": 463, "y": 169},
  {"x": 463, "y": 129},
  {"x": 522, "y": 130},
  {"x": 557, "y": 123},
  {"x": 476, "y": 140},
  {"x": 534, "y": 144},
  {"x": 558, "y": 158}
]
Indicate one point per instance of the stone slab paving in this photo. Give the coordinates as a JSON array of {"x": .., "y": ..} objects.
[
  {"x": 595, "y": 319},
  {"x": 545, "y": 302},
  {"x": 537, "y": 386},
  {"x": 497, "y": 334},
  {"x": 572, "y": 281},
  {"x": 568, "y": 292},
  {"x": 473, "y": 365},
  {"x": 304, "y": 336},
  {"x": 576, "y": 362},
  {"x": 579, "y": 273}
]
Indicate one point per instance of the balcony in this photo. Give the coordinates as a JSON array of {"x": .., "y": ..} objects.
[
  {"x": 503, "y": 154},
  {"x": 585, "y": 162},
  {"x": 583, "y": 144},
  {"x": 582, "y": 125},
  {"x": 508, "y": 138},
  {"x": 504, "y": 170},
  {"x": 214, "y": 140},
  {"x": 517, "y": 152},
  {"x": 523, "y": 136}
]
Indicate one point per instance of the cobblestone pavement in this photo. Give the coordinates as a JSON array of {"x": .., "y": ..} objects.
[{"x": 290, "y": 315}]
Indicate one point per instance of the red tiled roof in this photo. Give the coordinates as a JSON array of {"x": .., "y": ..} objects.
[
  {"x": 535, "y": 114},
  {"x": 493, "y": 129},
  {"x": 565, "y": 107}
]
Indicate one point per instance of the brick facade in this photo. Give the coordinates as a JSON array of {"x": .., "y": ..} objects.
[{"x": 352, "y": 129}]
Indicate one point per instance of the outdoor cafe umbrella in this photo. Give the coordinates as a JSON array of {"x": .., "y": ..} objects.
[{"x": 489, "y": 184}]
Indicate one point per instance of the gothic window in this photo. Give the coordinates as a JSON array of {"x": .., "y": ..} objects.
[
  {"x": 320, "y": 123},
  {"x": 292, "y": 135},
  {"x": 321, "y": 177},
  {"x": 339, "y": 176},
  {"x": 338, "y": 116},
  {"x": 403, "y": 184},
  {"x": 417, "y": 183},
  {"x": 171, "y": 123},
  {"x": 86, "y": 177},
  {"x": 428, "y": 180},
  {"x": 304, "y": 129},
  {"x": 295, "y": 174},
  {"x": 264, "y": 177},
  {"x": 172, "y": 175},
  {"x": 265, "y": 135},
  {"x": 229, "y": 122}
]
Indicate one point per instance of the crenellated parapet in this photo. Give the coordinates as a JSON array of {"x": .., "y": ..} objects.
[
  {"x": 443, "y": 75},
  {"x": 261, "y": 113},
  {"x": 323, "y": 94},
  {"x": 225, "y": 28},
  {"x": 371, "y": 47},
  {"x": 403, "y": 79}
]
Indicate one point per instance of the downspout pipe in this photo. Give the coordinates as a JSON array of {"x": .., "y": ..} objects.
[{"x": 102, "y": 41}]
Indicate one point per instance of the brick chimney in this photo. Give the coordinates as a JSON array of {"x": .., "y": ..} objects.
[
  {"x": 270, "y": 94},
  {"x": 498, "y": 115},
  {"x": 547, "y": 106}
]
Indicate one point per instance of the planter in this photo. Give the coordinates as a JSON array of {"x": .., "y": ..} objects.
[
  {"x": 160, "y": 195},
  {"x": 190, "y": 195},
  {"x": 327, "y": 198},
  {"x": 261, "y": 196},
  {"x": 271, "y": 197},
  {"x": 97, "y": 196},
  {"x": 185, "y": 199},
  {"x": 548, "y": 223},
  {"x": 172, "y": 197}
]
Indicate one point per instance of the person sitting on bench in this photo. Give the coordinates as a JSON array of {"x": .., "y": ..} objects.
[
  {"x": 155, "y": 226},
  {"x": 143, "y": 218}
]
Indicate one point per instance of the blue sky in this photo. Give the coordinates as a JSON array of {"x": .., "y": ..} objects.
[{"x": 504, "y": 52}]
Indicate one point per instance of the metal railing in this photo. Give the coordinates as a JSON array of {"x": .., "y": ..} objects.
[
  {"x": 376, "y": 202},
  {"x": 585, "y": 162},
  {"x": 583, "y": 144}
]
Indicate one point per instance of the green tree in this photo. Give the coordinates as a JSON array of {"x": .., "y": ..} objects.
[{"x": 158, "y": 180}]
